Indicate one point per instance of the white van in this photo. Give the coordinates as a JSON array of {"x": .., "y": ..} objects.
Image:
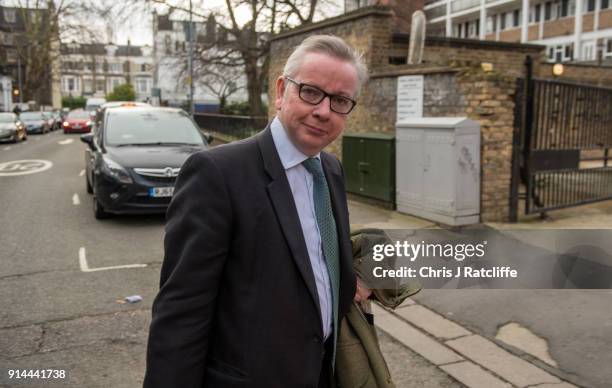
[{"x": 94, "y": 103}]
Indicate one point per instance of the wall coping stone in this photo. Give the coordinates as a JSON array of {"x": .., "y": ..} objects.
[
  {"x": 383, "y": 73},
  {"x": 471, "y": 43},
  {"x": 361, "y": 13}
]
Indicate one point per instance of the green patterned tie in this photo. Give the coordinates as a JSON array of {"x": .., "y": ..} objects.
[{"x": 329, "y": 235}]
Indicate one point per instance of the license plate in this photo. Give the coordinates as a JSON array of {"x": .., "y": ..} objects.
[
  {"x": 161, "y": 191},
  {"x": 77, "y": 126}
]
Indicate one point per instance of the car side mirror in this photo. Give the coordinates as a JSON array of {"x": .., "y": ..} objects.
[
  {"x": 208, "y": 137},
  {"x": 88, "y": 139}
]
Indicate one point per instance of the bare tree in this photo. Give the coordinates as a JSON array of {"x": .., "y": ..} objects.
[
  {"x": 246, "y": 45},
  {"x": 40, "y": 27}
]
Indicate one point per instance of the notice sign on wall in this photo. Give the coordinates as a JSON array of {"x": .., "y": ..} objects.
[{"x": 409, "y": 96}]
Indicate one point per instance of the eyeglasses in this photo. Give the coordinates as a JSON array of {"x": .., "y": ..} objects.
[{"x": 313, "y": 95}]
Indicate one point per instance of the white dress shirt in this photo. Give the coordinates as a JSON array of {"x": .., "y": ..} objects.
[{"x": 301, "y": 183}]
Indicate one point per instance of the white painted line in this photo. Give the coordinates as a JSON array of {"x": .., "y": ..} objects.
[
  {"x": 6, "y": 148},
  {"x": 82, "y": 173},
  {"x": 64, "y": 142},
  {"x": 85, "y": 267},
  {"x": 75, "y": 199}
]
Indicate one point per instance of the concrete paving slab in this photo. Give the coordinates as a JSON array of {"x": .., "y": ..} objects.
[
  {"x": 473, "y": 376},
  {"x": 511, "y": 368},
  {"x": 431, "y": 322},
  {"x": 562, "y": 385},
  {"x": 412, "y": 338},
  {"x": 410, "y": 370}
]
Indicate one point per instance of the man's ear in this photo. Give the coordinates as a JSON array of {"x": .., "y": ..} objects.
[{"x": 280, "y": 92}]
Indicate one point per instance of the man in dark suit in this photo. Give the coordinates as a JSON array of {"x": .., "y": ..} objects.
[{"x": 257, "y": 270}]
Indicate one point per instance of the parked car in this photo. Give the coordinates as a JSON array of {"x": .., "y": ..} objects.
[
  {"x": 11, "y": 129},
  {"x": 114, "y": 104},
  {"x": 51, "y": 120},
  {"x": 35, "y": 122},
  {"x": 134, "y": 156},
  {"x": 77, "y": 121}
]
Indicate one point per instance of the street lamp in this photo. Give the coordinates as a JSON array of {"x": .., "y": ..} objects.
[{"x": 557, "y": 69}]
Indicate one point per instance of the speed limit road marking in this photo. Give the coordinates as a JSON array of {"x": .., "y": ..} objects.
[{"x": 24, "y": 167}]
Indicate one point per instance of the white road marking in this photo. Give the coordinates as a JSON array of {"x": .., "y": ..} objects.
[
  {"x": 64, "y": 142},
  {"x": 82, "y": 173},
  {"x": 76, "y": 200},
  {"x": 6, "y": 148},
  {"x": 24, "y": 167},
  {"x": 85, "y": 267}
]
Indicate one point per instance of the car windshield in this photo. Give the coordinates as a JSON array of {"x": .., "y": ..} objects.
[
  {"x": 140, "y": 127},
  {"x": 7, "y": 118},
  {"x": 78, "y": 115},
  {"x": 32, "y": 116}
]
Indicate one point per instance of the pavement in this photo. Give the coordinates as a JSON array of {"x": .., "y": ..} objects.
[{"x": 501, "y": 338}]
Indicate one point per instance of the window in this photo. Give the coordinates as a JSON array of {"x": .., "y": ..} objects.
[
  {"x": 516, "y": 18},
  {"x": 143, "y": 67},
  {"x": 590, "y": 5},
  {"x": 9, "y": 15},
  {"x": 605, "y": 4},
  {"x": 11, "y": 55},
  {"x": 71, "y": 84},
  {"x": 116, "y": 67},
  {"x": 142, "y": 85},
  {"x": 564, "y": 8},
  {"x": 561, "y": 53},
  {"x": 88, "y": 66},
  {"x": 99, "y": 85},
  {"x": 99, "y": 67},
  {"x": 491, "y": 24},
  {"x": 87, "y": 85},
  {"x": 608, "y": 48},
  {"x": 8, "y": 39},
  {"x": 548, "y": 10},
  {"x": 538, "y": 12},
  {"x": 502, "y": 21}
]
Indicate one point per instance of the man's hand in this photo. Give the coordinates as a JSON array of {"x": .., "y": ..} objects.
[{"x": 363, "y": 292}]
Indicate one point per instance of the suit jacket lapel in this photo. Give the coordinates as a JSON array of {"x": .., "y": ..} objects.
[
  {"x": 335, "y": 181},
  {"x": 281, "y": 197}
]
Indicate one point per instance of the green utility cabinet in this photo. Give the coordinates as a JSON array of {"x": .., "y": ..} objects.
[{"x": 369, "y": 165}]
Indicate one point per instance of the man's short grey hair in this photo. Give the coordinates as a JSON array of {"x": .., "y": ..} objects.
[{"x": 330, "y": 45}]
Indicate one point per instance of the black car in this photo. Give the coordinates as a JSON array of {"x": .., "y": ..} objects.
[
  {"x": 134, "y": 157},
  {"x": 35, "y": 122},
  {"x": 11, "y": 129}
]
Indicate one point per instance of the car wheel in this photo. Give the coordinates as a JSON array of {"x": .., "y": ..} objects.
[
  {"x": 99, "y": 211},
  {"x": 89, "y": 188}
]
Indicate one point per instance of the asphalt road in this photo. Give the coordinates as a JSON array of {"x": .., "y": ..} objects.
[{"x": 56, "y": 316}]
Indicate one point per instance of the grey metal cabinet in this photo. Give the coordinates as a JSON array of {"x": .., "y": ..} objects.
[{"x": 438, "y": 169}]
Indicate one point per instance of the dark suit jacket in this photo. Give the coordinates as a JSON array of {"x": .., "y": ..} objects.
[{"x": 238, "y": 304}]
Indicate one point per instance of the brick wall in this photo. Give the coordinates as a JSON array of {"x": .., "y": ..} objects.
[
  {"x": 559, "y": 27},
  {"x": 507, "y": 58},
  {"x": 605, "y": 19},
  {"x": 487, "y": 98},
  {"x": 513, "y": 35}
]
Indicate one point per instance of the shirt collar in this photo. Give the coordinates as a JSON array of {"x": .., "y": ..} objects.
[{"x": 289, "y": 155}]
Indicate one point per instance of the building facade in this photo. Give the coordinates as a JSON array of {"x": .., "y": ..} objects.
[
  {"x": 14, "y": 23},
  {"x": 95, "y": 69},
  {"x": 571, "y": 30},
  {"x": 171, "y": 55}
]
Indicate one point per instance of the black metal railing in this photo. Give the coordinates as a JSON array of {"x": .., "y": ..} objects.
[
  {"x": 564, "y": 132},
  {"x": 230, "y": 128}
]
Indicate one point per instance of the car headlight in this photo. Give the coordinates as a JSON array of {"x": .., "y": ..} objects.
[{"x": 115, "y": 170}]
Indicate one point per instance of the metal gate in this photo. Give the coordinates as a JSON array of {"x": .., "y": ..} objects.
[{"x": 563, "y": 132}]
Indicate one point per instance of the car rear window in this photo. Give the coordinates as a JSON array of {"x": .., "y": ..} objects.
[
  {"x": 151, "y": 127},
  {"x": 81, "y": 115}
]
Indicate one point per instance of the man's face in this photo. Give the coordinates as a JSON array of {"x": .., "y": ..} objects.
[{"x": 312, "y": 127}]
